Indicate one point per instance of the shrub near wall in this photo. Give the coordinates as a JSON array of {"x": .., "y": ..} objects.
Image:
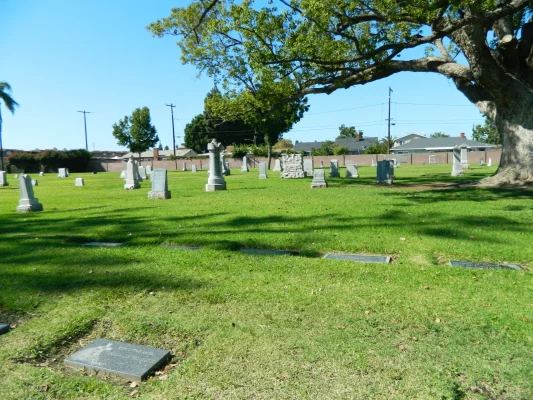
[
  {"x": 22, "y": 161},
  {"x": 50, "y": 160}
]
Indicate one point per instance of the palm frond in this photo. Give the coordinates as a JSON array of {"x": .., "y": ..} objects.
[{"x": 6, "y": 97}]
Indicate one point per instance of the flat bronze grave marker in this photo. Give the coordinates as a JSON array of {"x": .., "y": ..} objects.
[
  {"x": 128, "y": 361},
  {"x": 359, "y": 258},
  {"x": 4, "y": 328},
  {"x": 469, "y": 264}
]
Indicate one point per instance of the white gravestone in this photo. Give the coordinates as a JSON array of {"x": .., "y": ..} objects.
[
  {"x": 262, "y": 171},
  {"x": 79, "y": 182},
  {"x": 308, "y": 166},
  {"x": 373, "y": 162},
  {"x": 321, "y": 164},
  {"x": 142, "y": 173},
  {"x": 148, "y": 169},
  {"x": 334, "y": 169},
  {"x": 16, "y": 176},
  {"x": 41, "y": 173},
  {"x": 352, "y": 171},
  {"x": 193, "y": 168},
  {"x": 216, "y": 180},
  {"x": 385, "y": 173},
  {"x": 227, "y": 170},
  {"x": 489, "y": 164},
  {"x": 132, "y": 175},
  {"x": 62, "y": 173},
  {"x": 27, "y": 201},
  {"x": 481, "y": 161},
  {"x": 244, "y": 167},
  {"x": 432, "y": 159},
  {"x": 184, "y": 166},
  {"x": 464, "y": 156},
  {"x": 159, "y": 184},
  {"x": 319, "y": 180},
  {"x": 293, "y": 166},
  {"x": 457, "y": 168},
  {"x": 277, "y": 166},
  {"x": 123, "y": 174},
  {"x": 34, "y": 182},
  {"x": 3, "y": 178}
]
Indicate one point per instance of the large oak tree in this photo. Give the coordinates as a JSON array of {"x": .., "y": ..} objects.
[{"x": 298, "y": 47}]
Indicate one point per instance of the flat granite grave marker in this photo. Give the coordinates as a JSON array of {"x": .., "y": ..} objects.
[
  {"x": 159, "y": 185},
  {"x": 262, "y": 170},
  {"x": 128, "y": 361},
  {"x": 352, "y": 171},
  {"x": 102, "y": 244},
  {"x": 3, "y": 178},
  {"x": 27, "y": 202},
  {"x": 4, "y": 328},
  {"x": 244, "y": 166},
  {"x": 319, "y": 179},
  {"x": 457, "y": 168},
  {"x": 469, "y": 264},
  {"x": 79, "y": 182},
  {"x": 277, "y": 166},
  {"x": 359, "y": 258}
]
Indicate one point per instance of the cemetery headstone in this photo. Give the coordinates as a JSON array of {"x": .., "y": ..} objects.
[
  {"x": 489, "y": 164},
  {"x": 184, "y": 166},
  {"x": 464, "y": 156},
  {"x": 148, "y": 169},
  {"x": 193, "y": 168},
  {"x": 142, "y": 173},
  {"x": 3, "y": 178},
  {"x": 128, "y": 361},
  {"x": 34, "y": 182},
  {"x": 334, "y": 169},
  {"x": 62, "y": 173},
  {"x": 244, "y": 166},
  {"x": 41, "y": 173},
  {"x": 216, "y": 180},
  {"x": 308, "y": 166},
  {"x": 352, "y": 171},
  {"x": 67, "y": 172},
  {"x": 385, "y": 173},
  {"x": 16, "y": 176},
  {"x": 227, "y": 170},
  {"x": 293, "y": 166},
  {"x": 159, "y": 184},
  {"x": 123, "y": 174},
  {"x": 321, "y": 164},
  {"x": 457, "y": 167},
  {"x": 262, "y": 171},
  {"x": 319, "y": 180},
  {"x": 27, "y": 201},
  {"x": 79, "y": 182},
  {"x": 481, "y": 161},
  {"x": 132, "y": 175},
  {"x": 277, "y": 165},
  {"x": 432, "y": 159},
  {"x": 4, "y": 328},
  {"x": 373, "y": 162}
]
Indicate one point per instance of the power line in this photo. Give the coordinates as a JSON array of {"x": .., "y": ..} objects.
[{"x": 436, "y": 105}]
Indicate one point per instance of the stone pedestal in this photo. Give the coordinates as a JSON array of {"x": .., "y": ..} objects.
[
  {"x": 319, "y": 180},
  {"x": 27, "y": 202},
  {"x": 216, "y": 180}
]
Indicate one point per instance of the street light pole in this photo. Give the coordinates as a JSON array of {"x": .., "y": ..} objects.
[
  {"x": 85, "y": 124},
  {"x": 173, "y": 135}
]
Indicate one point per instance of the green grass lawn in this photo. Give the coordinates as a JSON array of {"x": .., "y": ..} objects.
[{"x": 263, "y": 327}]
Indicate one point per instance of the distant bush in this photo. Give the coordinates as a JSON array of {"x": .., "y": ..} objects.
[
  {"x": 50, "y": 160},
  {"x": 24, "y": 161},
  {"x": 239, "y": 151}
]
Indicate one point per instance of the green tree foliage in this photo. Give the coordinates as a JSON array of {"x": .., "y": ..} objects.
[
  {"x": 283, "y": 144},
  {"x": 136, "y": 131},
  {"x": 166, "y": 148},
  {"x": 438, "y": 135},
  {"x": 49, "y": 160},
  {"x": 487, "y": 133},
  {"x": 339, "y": 150},
  {"x": 11, "y": 104},
  {"x": 196, "y": 135},
  {"x": 329, "y": 148},
  {"x": 349, "y": 132},
  {"x": 381, "y": 147},
  {"x": 24, "y": 161},
  {"x": 160, "y": 146}
]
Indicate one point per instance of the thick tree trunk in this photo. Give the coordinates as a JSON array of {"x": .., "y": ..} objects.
[{"x": 516, "y": 164}]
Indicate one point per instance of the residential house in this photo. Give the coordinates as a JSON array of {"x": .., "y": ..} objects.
[
  {"x": 445, "y": 144},
  {"x": 356, "y": 145}
]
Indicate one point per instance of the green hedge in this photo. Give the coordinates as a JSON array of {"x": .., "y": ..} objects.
[{"x": 49, "y": 160}]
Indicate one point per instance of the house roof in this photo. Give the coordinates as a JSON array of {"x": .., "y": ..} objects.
[
  {"x": 411, "y": 135},
  {"x": 350, "y": 143},
  {"x": 440, "y": 144},
  {"x": 162, "y": 153}
]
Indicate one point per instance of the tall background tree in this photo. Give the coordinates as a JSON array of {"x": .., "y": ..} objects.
[
  {"x": 136, "y": 131},
  {"x": 295, "y": 48},
  {"x": 10, "y": 103},
  {"x": 487, "y": 133},
  {"x": 349, "y": 132},
  {"x": 438, "y": 135}
]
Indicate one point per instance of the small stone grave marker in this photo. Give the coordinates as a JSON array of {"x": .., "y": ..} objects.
[
  {"x": 262, "y": 171},
  {"x": 193, "y": 168},
  {"x": 464, "y": 156},
  {"x": 123, "y": 174},
  {"x": 244, "y": 166},
  {"x": 148, "y": 169},
  {"x": 142, "y": 173},
  {"x": 41, "y": 173},
  {"x": 319, "y": 179},
  {"x": 34, "y": 182},
  {"x": 489, "y": 164},
  {"x": 308, "y": 166},
  {"x": 184, "y": 166},
  {"x": 159, "y": 184},
  {"x": 132, "y": 175},
  {"x": 3, "y": 178},
  {"x": 334, "y": 169},
  {"x": 62, "y": 173},
  {"x": 128, "y": 361},
  {"x": 457, "y": 167},
  {"x": 359, "y": 258},
  {"x": 352, "y": 171},
  {"x": 4, "y": 328},
  {"x": 277, "y": 166},
  {"x": 27, "y": 201},
  {"x": 79, "y": 182},
  {"x": 432, "y": 159},
  {"x": 469, "y": 264},
  {"x": 385, "y": 173},
  {"x": 267, "y": 252},
  {"x": 102, "y": 244}
]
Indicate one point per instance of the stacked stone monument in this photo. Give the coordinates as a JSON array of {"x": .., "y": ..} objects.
[
  {"x": 457, "y": 167},
  {"x": 293, "y": 166},
  {"x": 216, "y": 179},
  {"x": 27, "y": 202},
  {"x": 159, "y": 184}
]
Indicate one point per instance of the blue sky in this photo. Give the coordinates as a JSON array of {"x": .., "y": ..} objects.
[{"x": 61, "y": 56}]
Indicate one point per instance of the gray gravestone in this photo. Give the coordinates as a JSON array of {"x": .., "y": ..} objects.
[
  {"x": 262, "y": 171},
  {"x": 216, "y": 180},
  {"x": 293, "y": 166},
  {"x": 227, "y": 170},
  {"x": 308, "y": 166},
  {"x": 489, "y": 164},
  {"x": 128, "y": 361},
  {"x": 457, "y": 167},
  {"x": 267, "y": 252},
  {"x": 334, "y": 169},
  {"x": 481, "y": 161},
  {"x": 319, "y": 180},
  {"x": 34, "y": 182},
  {"x": 277, "y": 166},
  {"x": 79, "y": 182},
  {"x": 148, "y": 169},
  {"x": 193, "y": 168},
  {"x": 385, "y": 173},
  {"x": 159, "y": 185},
  {"x": 464, "y": 156},
  {"x": 469, "y": 264},
  {"x": 184, "y": 166},
  {"x": 41, "y": 173},
  {"x": 352, "y": 171},
  {"x": 132, "y": 175},
  {"x": 244, "y": 166},
  {"x": 62, "y": 173},
  {"x": 432, "y": 159},
  {"x": 321, "y": 164},
  {"x": 123, "y": 174},
  {"x": 67, "y": 172},
  {"x": 4, "y": 328},
  {"x": 359, "y": 258},
  {"x": 27, "y": 201},
  {"x": 102, "y": 244},
  {"x": 3, "y": 178},
  {"x": 142, "y": 173}
]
